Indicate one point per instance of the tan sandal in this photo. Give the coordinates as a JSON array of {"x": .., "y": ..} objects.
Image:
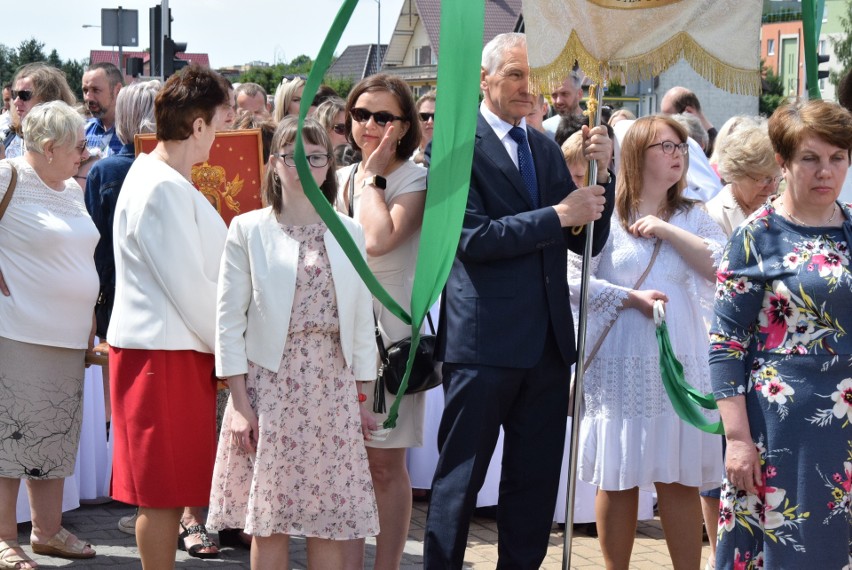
[
  {"x": 14, "y": 561},
  {"x": 63, "y": 544}
]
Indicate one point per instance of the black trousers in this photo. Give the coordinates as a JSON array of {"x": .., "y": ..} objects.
[{"x": 532, "y": 406}]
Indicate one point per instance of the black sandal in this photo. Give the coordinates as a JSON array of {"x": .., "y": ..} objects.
[
  {"x": 195, "y": 550},
  {"x": 234, "y": 537}
]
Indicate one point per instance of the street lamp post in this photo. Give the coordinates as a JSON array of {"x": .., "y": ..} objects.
[{"x": 379, "y": 38}]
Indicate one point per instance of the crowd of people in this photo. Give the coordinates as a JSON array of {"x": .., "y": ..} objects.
[{"x": 738, "y": 233}]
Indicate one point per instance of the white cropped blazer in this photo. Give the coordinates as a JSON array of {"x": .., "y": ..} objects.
[{"x": 257, "y": 281}]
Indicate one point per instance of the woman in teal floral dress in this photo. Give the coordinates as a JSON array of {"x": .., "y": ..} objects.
[{"x": 781, "y": 358}]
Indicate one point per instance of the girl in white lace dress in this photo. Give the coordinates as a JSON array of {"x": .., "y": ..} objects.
[{"x": 630, "y": 436}]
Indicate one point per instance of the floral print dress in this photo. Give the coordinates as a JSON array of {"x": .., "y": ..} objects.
[
  {"x": 781, "y": 338},
  {"x": 310, "y": 476}
]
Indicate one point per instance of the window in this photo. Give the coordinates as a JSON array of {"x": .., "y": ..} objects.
[
  {"x": 423, "y": 55},
  {"x": 770, "y": 47},
  {"x": 821, "y": 47}
]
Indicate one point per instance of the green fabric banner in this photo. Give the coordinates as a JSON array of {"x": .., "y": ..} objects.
[
  {"x": 462, "y": 24},
  {"x": 685, "y": 399}
]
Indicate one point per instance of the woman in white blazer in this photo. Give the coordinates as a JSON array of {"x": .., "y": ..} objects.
[
  {"x": 168, "y": 244},
  {"x": 295, "y": 340}
]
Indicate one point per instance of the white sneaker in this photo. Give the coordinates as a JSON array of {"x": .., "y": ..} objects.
[{"x": 127, "y": 523}]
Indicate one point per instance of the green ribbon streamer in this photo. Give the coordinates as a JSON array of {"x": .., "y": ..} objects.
[
  {"x": 684, "y": 398},
  {"x": 462, "y": 26}
]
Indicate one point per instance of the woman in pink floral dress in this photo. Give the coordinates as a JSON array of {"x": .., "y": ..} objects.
[
  {"x": 780, "y": 358},
  {"x": 295, "y": 340}
]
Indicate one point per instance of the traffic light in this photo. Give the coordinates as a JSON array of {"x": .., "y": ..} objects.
[
  {"x": 171, "y": 63},
  {"x": 822, "y": 73},
  {"x": 156, "y": 35}
]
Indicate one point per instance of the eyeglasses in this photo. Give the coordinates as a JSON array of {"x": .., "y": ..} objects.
[
  {"x": 767, "y": 180},
  {"x": 669, "y": 147},
  {"x": 425, "y": 117},
  {"x": 315, "y": 160},
  {"x": 381, "y": 118},
  {"x": 23, "y": 94},
  {"x": 339, "y": 128}
]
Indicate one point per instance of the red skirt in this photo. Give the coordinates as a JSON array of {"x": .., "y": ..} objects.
[{"x": 163, "y": 427}]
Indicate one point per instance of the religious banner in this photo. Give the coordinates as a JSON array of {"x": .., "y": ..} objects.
[
  {"x": 639, "y": 39},
  {"x": 231, "y": 179}
]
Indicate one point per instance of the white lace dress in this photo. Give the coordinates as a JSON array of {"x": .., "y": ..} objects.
[{"x": 630, "y": 436}]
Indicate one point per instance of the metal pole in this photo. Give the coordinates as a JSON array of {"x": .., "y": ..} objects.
[
  {"x": 165, "y": 30},
  {"x": 577, "y": 392},
  {"x": 120, "y": 47},
  {"x": 379, "y": 39}
]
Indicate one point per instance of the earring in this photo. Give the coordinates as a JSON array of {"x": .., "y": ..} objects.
[{"x": 50, "y": 160}]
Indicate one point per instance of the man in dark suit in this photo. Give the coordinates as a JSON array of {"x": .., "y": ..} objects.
[{"x": 506, "y": 335}]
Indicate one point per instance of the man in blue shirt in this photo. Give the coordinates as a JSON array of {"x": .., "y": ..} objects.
[{"x": 101, "y": 84}]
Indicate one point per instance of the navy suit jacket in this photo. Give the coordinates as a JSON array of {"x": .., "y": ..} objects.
[{"x": 508, "y": 283}]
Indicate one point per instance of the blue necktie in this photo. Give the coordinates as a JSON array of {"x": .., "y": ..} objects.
[{"x": 525, "y": 163}]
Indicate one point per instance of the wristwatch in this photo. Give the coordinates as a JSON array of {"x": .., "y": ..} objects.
[{"x": 376, "y": 180}]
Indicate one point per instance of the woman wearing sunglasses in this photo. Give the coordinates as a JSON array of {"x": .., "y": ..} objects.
[
  {"x": 386, "y": 193},
  {"x": 331, "y": 114},
  {"x": 426, "y": 113},
  {"x": 34, "y": 83},
  {"x": 630, "y": 436}
]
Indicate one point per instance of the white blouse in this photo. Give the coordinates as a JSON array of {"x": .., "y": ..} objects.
[{"x": 47, "y": 246}]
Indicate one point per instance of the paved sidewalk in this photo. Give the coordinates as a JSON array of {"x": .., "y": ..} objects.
[{"x": 97, "y": 524}]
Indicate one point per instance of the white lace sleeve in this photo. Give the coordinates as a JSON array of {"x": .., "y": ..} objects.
[
  {"x": 714, "y": 236},
  {"x": 605, "y": 299},
  {"x": 711, "y": 232}
]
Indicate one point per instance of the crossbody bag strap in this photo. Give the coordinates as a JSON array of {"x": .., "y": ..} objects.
[
  {"x": 383, "y": 352},
  {"x": 594, "y": 351},
  {"x": 7, "y": 197},
  {"x": 351, "y": 192}
]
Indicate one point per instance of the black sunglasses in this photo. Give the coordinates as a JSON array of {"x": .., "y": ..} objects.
[
  {"x": 426, "y": 116},
  {"x": 23, "y": 95},
  {"x": 381, "y": 118},
  {"x": 339, "y": 128}
]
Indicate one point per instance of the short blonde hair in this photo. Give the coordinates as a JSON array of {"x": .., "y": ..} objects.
[
  {"x": 56, "y": 122},
  {"x": 749, "y": 153},
  {"x": 572, "y": 148},
  {"x": 730, "y": 127}
]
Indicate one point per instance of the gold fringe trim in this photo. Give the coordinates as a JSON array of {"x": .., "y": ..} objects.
[{"x": 646, "y": 66}]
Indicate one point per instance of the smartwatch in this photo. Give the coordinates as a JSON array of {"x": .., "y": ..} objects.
[{"x": 377, "y": 181}]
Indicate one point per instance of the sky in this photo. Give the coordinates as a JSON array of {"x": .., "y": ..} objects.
[{"x": 232, "y": 32}]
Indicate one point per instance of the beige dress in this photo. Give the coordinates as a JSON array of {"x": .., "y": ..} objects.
[
  {"x": 395, "y": 272},
  {"x": 310, "y": 476}
]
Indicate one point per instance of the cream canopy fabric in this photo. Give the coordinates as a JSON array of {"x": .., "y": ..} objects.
[{"x": 638, "y": 39}]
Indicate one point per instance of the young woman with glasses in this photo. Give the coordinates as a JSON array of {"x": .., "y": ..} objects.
[
  {"x": 630, "y": 436},
  {"x": 295, "y": 341},
  {"x": 388, "y": 197}
]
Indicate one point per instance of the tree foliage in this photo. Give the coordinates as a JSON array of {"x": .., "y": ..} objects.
[
  {"x": 270, "y": 77},
  {"x": 843, "y": 46},
  {"x": 772, "y": 92},
  {"x": 31, "y": 51}
]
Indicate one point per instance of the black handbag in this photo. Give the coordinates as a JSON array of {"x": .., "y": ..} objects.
[{"x": 425, "y": 371}]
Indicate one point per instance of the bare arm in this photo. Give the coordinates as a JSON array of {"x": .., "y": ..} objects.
[
  {"x": 742, "y": 462},
  {"x": 244, "y": 425},
  {"x": 386, "y": 226}
]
